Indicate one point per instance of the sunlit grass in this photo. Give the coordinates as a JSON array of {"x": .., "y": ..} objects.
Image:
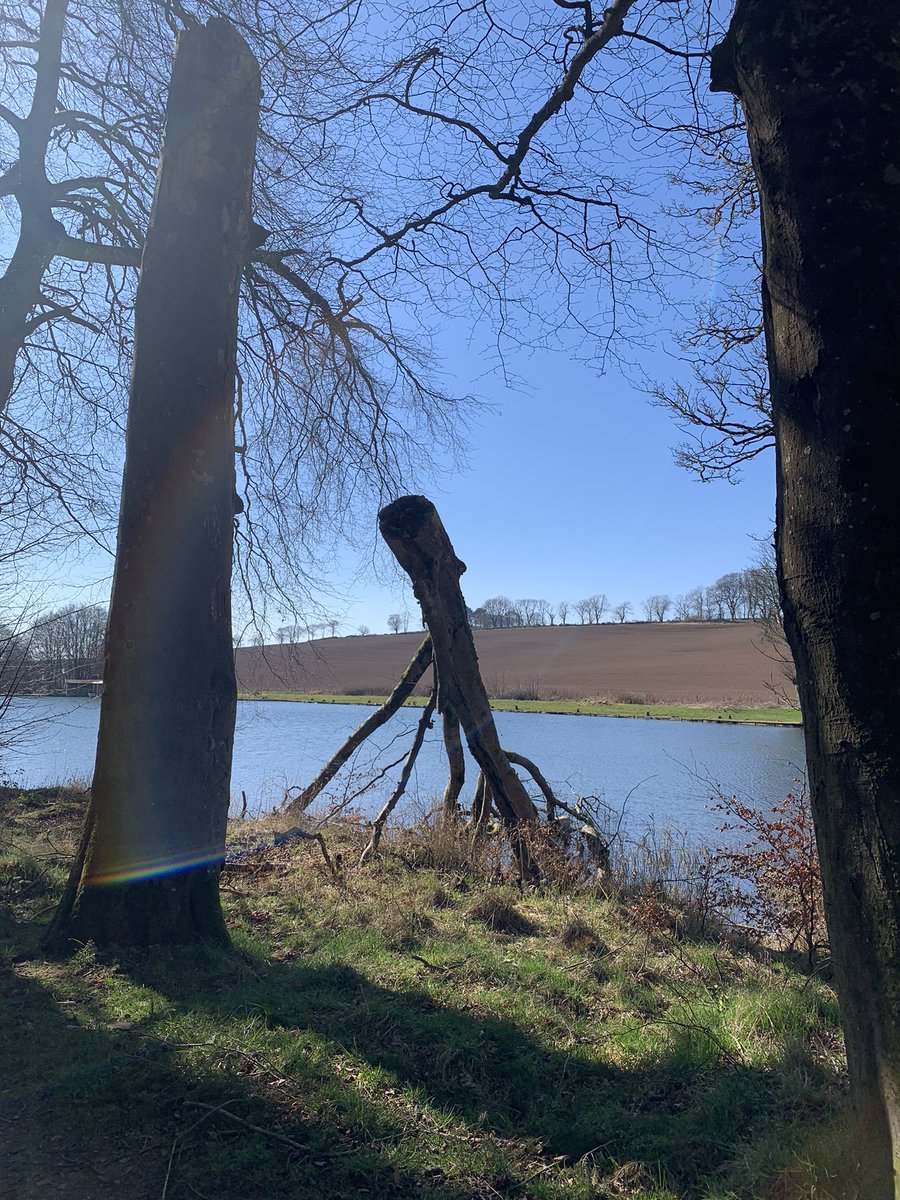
[{"x": 386, "y": 1037}]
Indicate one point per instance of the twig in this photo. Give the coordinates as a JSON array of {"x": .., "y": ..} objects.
[
  {"x": 270, "y": 1133},
  {"x": 179, "y": 1136},
  {"x": 440, "y": 968},
  {"x": 380, "y": 821}
]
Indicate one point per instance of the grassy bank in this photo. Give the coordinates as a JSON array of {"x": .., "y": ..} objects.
[
  {"x": 660, "y": 712},
  {"x": 416, "y": 1029}
]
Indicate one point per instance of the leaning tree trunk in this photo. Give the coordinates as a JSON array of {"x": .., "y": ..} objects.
[
  {"x": 151, "y": 857},
  {"x": 820, "y": 86},
  {"x": 413, "y": 531}
]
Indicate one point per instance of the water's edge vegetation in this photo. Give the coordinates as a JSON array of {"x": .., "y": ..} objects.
[
  {"x": 420, "y": 1027},
  {"x": 581, "y": 708}
]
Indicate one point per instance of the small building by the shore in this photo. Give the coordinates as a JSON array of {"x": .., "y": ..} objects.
[{"x": 83, "y": 687}]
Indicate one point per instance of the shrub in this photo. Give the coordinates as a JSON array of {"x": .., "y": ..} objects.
[{"x": 772, "y": 882}]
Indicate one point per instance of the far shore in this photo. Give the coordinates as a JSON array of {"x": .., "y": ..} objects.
[{"x": 570, "y": 708}]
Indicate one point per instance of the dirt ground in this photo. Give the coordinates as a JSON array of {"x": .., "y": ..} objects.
[{"x": 709, "y": 664}]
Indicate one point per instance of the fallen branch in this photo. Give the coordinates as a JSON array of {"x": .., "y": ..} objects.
[
  {"x": 519, "y": 760},
  {"x": 381, "y": 819},
  {"x": 269, "y": 1133},
  {"x": 404, "y": 689},
  {"x": 291, "y": 834}
]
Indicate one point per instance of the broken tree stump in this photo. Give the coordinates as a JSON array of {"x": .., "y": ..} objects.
[{"x": 414, "y": 533}]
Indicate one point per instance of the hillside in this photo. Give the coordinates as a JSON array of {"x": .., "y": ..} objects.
[{"x": 708, "y": 663}]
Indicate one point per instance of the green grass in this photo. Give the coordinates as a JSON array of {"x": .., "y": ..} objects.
[
  {"x": 379, "y": 1038},
  {"x": 660, "y": 712}
]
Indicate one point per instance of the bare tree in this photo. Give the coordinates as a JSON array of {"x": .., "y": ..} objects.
[
  {"x": 67, "y": 642},
  {"x": 598, "y": 604},
  {"x": 499, "y": 613},
  {"x": 731, "y": 593},
  {"x": 326, "y": 366},
  {"x": 657, "y": 606},
  {"x": 534, "y": 612},
  {"x": 622, "y": 611},
  {"x": 563, "y": 610},
  {"x": 395, "y": 622}
]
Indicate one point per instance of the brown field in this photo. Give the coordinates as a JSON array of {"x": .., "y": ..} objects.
[{"x": 709, "y": 664}]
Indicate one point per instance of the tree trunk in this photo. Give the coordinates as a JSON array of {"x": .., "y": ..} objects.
[
  {"x": 413, "y": 531},
  {"x": 820, "y": 86},
  {"x": 149, "y": 872},
  {"x": 482, "y": 802},
  {"x": 456, "y": 762}
]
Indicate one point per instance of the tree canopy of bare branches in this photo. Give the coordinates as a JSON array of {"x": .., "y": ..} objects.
[{"x": 413, "y": 165}]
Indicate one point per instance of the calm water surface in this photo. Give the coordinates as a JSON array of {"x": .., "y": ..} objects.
[{"x": 661, "y": 771}]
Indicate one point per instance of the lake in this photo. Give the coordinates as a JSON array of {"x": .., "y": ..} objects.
[{"x": 662, "y": 772}]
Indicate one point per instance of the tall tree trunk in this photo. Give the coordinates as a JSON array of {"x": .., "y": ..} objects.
[
  {"x": 149, "y": 872},
  {"x": 820, "y": 86}
]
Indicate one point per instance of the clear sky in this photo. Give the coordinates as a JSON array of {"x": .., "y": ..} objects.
[
  {"x": 571, "y": 489},
  {"x": 570, "y": 486}
]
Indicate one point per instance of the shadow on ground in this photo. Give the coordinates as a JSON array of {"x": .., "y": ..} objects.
[{"x": 105, "y": 1110}]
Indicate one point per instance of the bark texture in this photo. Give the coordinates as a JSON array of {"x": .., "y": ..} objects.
[
  {"x": 820, "y": 86},
  {"x": 413, "y": 531},
  {"x": 456, "y": 762},
  {"x": 149, "y": 871}
]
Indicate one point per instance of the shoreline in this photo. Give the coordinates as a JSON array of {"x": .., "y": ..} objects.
[{"x": 723, "y": 715}]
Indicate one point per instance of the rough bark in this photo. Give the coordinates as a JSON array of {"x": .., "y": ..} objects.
[
  {"x": 381, "y": 820},
  {"x": 413, "y": 531},
  {"x": 420, "y": 663},
  {"x": 456, "y": 761},
  {"x": 820, "y": 86},
  {"x": 482, "y": 802},
  {"x": 149, "y": 872}
]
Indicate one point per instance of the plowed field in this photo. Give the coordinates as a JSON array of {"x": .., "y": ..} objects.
[{"x": 708, "y": 664}]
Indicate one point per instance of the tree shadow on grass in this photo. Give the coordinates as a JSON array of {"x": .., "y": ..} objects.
[
  {"x": 686, "y": 1115},
  {"x": 94, "y": 1112}
]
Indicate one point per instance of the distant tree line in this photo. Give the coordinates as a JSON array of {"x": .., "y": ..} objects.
[
  {"x": 747, "y": 595},
  {"x": 62, "y": 645}
]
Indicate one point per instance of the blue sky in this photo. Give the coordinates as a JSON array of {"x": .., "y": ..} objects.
[
  {"x": 571, "y": 489},
  {"x": 570, "y": 486}
]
